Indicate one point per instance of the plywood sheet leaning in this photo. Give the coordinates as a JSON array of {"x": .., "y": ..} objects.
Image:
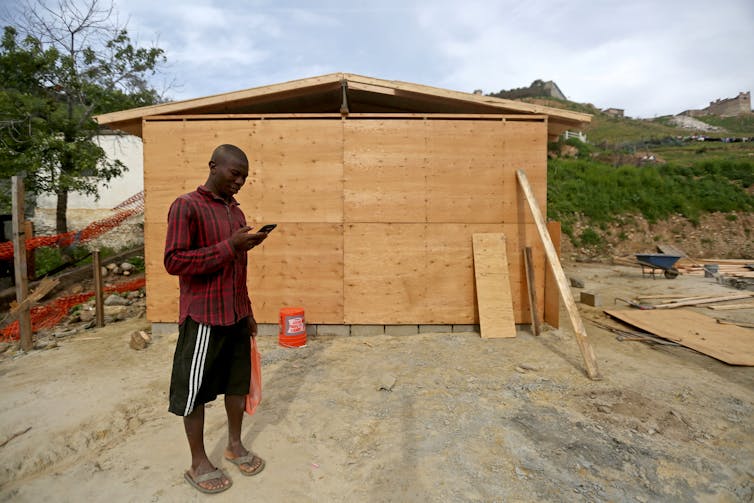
[
  {"x": 493, "y": 286},
  {"x": 728, "y": 343}
]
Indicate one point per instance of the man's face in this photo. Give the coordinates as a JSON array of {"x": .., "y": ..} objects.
[{"x": 228, "y": 176}]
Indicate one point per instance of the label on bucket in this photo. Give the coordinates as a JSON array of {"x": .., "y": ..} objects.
[{"x": 294, "y": 325}]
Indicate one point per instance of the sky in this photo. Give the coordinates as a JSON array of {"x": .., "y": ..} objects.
[{"x": 648, "y": 57}]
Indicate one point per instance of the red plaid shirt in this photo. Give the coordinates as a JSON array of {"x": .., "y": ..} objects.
[{"x": 212, "y": 275}]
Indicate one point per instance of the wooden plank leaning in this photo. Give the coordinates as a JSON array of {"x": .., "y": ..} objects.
[
  {"x": 531, "y": 289},
  {"x": 579, "y": 331}
]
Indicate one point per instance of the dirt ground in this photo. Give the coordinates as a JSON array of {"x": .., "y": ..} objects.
[{"x": 467, "y": 419}]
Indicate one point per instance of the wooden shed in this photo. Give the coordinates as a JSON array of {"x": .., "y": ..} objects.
[{"x": 376, "y": 186}]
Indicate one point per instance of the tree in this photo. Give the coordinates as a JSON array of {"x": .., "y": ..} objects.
[{"x": 72, "y": 63}]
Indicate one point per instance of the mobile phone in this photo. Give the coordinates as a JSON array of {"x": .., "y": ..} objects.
[{"x": 267, "y": 228}]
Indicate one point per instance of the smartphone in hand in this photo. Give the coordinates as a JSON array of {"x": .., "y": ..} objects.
[{"x": 267, "y": 228}]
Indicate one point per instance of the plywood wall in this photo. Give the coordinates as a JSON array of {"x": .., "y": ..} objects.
[{"x": 375, "y": 216}]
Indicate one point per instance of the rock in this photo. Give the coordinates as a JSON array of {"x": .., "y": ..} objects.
[
  {"x": 126, "y": 273},
  {"x": 116, "y": 312},
  {"x": 4, "y": 346},
  {"x": 577, "y": 283},
  {"x": 86, "y": 315},
  {"x": 104, "y": 271},
  {"x": 77, "y": 288},
  {"x": 116, "y": 300},
  {"x": 386, "y": 383},
  {"x": 134, "y": 294},
  {"x": 111, "y": 267},
  {"x": 140, "y": 340},
  {"x": 137, "y": 341},
  {"x": 127, "y": 266}
]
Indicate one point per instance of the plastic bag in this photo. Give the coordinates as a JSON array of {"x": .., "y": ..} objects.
[{"x": 255, "y": 386}]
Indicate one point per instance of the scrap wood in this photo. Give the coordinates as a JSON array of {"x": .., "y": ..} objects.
[
  {"x": 728, "y": 343},
  {"x": 709, "y": 300},
  {"x": 44, "y": 287},
  {"x": 630, "y": 335},
  {"x": 747, "y": 305},
  {"x": 738, "y": 323}
]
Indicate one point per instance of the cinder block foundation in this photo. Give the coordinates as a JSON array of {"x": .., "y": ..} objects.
[
  {"x": 367, "y": 329},
  {"x": 439, "y": 329},
  {"x": 401, "y": 329}
]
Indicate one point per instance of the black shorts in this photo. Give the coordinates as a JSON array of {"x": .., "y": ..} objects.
[{"x": 209, "y": 361}]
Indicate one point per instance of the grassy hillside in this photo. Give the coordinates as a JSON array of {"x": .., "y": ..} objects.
[{"x": 647, "y": 168}]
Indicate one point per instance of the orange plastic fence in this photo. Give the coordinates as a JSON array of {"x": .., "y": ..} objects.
[
  {"x": 128, "y": 208},
  {"x": 51, "y": 314}
]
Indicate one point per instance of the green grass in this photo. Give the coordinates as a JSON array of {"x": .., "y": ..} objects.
[{"x": 603, "y": 193}]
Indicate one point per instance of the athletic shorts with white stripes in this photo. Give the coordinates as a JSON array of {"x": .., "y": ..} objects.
[{"x": 209, "y": 361}]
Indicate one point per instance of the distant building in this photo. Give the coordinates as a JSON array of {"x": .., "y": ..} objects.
[
  {"x": 727, "y": 107},
  {"x": 614, "y": 112}
]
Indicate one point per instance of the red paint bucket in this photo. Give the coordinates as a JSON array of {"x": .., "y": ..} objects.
[{"x": 292, "y": 327}]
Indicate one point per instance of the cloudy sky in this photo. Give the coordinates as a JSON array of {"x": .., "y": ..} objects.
[{"x": 650, "y": 57}]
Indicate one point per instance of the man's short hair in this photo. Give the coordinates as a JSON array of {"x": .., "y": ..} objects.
[{"x": 227, "y": 152}]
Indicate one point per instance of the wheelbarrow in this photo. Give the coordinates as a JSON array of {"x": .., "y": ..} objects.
[{"x": 658, "y": 261}]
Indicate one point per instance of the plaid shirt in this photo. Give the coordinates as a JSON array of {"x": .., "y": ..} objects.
[{"x": 212, "y": 275}]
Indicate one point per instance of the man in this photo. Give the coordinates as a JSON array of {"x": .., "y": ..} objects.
[{"x": 206, "y": 245}]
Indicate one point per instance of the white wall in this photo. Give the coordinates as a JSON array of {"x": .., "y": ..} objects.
[{"x": 129, "y": 150}]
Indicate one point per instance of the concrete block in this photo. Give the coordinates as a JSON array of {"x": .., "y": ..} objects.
[
  {"x": 311, "y": 330},
  {"x": 344, "y": 330},
  {"x": 268, "y": 329},
  {"x": 401, "y": 329},
  {"x": 466, "y": 328},
  {"x": 432, "y": 329},
  {"x": 591, "y": 299},
  {"x": 160, "y": 328},
  {"x": 367, "y": 329}
]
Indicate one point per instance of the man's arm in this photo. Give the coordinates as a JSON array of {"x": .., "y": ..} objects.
[{"x": 180, "y": 258}]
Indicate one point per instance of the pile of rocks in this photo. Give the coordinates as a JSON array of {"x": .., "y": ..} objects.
[
  {"x": 116, "y": 308},
  {"x": 124, "y": 269}
]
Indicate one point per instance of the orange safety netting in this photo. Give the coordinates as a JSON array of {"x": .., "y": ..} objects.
[
  {"x": 51, "y": 314},
  {"x": 128, "y": 208}
]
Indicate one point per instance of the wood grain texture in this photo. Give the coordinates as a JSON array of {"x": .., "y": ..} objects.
[
  {"x": 552, "y": 297},
  {"x": 728, "y": 343},
  {"x": 493, "y": 286}
]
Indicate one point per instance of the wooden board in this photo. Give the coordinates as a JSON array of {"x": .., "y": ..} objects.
[
  {"x": 493, "y": 286},
  {"x": 728, "y": 343},
  {"x": 384, "y": 169},
  {"x": 384, "y": 273},
  {"x": 299, "y": 265},
  {"x": 552, "y": 297}
]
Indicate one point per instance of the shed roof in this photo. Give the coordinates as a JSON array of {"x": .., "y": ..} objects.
[{"x": 344, "y": 93}]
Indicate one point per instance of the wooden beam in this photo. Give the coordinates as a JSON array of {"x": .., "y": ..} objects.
[
  {"x": 565, "y": 291},
  {"x": 19, "y": 262},
  {"x": 552, "y": 298},
  {"x": 99, "y": 303},
  {"x": 531, "y": 288},
  {"x": 44, "y": 287}
]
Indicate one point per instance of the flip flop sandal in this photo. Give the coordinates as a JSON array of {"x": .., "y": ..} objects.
[
  {"x": 216, "y": 474},
  {"x": 249, "y": 460}
]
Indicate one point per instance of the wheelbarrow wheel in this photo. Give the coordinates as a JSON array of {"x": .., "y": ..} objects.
[{"x": 671, "y": 273}]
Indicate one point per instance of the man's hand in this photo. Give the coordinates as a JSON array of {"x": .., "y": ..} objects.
[
  {"x": 242, "y": 240},
  {"x": 252, "y": 326}
]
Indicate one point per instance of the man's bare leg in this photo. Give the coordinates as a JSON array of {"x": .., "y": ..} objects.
[
  {"x": 200, "y": 463},
  {"x": 234, "y": 408}
]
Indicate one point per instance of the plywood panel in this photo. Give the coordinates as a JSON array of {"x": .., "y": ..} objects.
[
  {"x": 384, "y": 273},
  {"x": 384, "y": 171},
  {"x": 526, "y": 149},
  {"x": 493, "y": 286},
  {"x": 297, "y": 174},
  {"x": 299, "y": 265},
  {"x": 451, "y": 298},
  {"x": 162, "y": 288},
  {"x": 465, "y": 171},
  {"x": 729, "y": 343}
]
